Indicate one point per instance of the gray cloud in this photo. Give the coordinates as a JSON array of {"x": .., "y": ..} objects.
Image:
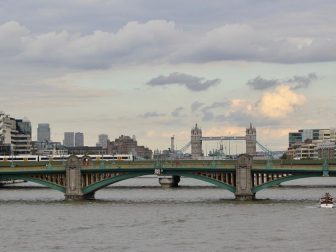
[
  {"x": 303, "y": 81},
  {"x": 296, "y": 82},
  {"x": 161, "y": 41},
  {"x": 259, "y": 83},
  {"x": 193, "y": 83},
  {"x": 177, "y": 112},
  {"x": 196, "y": 105},
  {"x": 61, "y": 34},
  {"x": 152, "y": 114},
  {"x": 208, "y": 111}
]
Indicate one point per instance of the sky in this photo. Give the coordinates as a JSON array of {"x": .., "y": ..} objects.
[{"x": 154, "y": 69}]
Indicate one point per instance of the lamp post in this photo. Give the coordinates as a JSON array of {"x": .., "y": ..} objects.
[{"x": 325, "y": 163}]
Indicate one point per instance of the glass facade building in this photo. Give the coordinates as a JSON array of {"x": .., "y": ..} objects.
[{"x": 43, "y": 132}]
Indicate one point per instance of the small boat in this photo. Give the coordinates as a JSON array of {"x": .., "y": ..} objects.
[{"x": 327, "y": 201}]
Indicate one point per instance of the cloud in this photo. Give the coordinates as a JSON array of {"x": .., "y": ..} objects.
[
  {"x": 160, "y": 41},
  {"x": 261, "y": 42},
  {"x": 259, "y": 83},
  {"x": 302, "y": 81},
  {"x": 11, "y": 34},
  {"x": 153, "y": 114},
  {"x": 272, "y": 108},
  {"x": 57, "y": 92},
  {"x": 177, "y": 112},
  {"x": 294, "y": 83},
  {"x": 209, "y": 111},
  {"x": 133, "y": 43},
  {"x": 196, "y": 106},
  {"x": 192, "y": 83},
  {"x": 280, "y": 103}
]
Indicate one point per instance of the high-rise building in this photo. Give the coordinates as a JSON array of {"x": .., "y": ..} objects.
[
  {"x": 79, "y": 139},
  {"x": 69, "y": 139},
  {"x": 43, "y": 132},
  {"x": 102, "y": 140},
  {"x": 15, "y": 134}
]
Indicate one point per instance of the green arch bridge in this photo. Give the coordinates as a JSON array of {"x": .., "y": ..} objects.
[{"x": 80, "y": 178}]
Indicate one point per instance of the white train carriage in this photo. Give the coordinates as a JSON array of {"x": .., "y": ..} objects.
[
  {"x": 21, "y": 158},
  {"x": 36, "y": 158}
]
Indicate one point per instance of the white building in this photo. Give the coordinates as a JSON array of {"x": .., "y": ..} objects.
[
  {"x": 310, "y": 143},
  {"x": 306, "y": 151},
  {"x": 15, "y": 133}
]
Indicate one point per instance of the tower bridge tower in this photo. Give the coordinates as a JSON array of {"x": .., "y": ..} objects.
[
  {"x": 251, "y": 140},
  {"x": 196, "y": 142}
]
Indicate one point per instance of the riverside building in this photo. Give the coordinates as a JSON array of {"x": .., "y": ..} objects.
[
  {"x": 128, "y": 145},
  {"x": 312, "y": 144},
  {"x": 15, "y": 135}
]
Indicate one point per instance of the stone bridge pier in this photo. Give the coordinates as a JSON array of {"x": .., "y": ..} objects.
[
  {"x": 244, "y": 178},
  {"x": 74, "y": 180}
]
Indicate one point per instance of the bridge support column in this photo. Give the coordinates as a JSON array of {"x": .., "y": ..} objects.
[
  {"x": 169, "y": 181},
  {"x": 74, "y": 180},
  {"x": 244, "y": 178}
]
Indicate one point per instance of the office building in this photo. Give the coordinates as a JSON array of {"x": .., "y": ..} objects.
[
  {"x": 102, "y": 141},
  {"x": 294, "y": 138},
  {"x": 43, "y": 132},
  {"x": 311, "y": 134},
  {"x": 69, "y": 139},
  {"x": 79, "y": 139},
  {"x": 312, "y": 144}
]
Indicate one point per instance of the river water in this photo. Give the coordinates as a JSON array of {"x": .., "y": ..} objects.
[{"x": 137, "y": 215}]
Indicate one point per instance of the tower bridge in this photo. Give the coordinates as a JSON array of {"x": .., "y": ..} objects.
[
  {"x": 197, "y": 139},
  {"x": 80, "y": 178}
]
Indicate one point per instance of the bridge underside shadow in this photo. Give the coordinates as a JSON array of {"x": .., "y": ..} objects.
[
  {"x": 278, "y": 181},
  {"x": 40, "y": 181},
  {"x": 92, "y": 188}
]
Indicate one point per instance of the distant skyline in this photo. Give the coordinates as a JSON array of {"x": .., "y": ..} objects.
[{"x": 155, "y": 68}]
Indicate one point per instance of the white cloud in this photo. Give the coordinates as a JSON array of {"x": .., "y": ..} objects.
[{"x": 280, "y": 103}]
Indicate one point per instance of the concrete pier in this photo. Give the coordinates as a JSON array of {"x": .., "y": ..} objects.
[
  {"x": 73, "y": 190},
  {"x": 244, "y": 178},
  {"x": 169, "y": 181}
]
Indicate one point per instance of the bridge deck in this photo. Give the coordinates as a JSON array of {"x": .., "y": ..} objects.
[{"x": 174, "y": 165}]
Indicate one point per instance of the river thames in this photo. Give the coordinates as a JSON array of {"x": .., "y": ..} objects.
[{"x": 137, "y": 215}]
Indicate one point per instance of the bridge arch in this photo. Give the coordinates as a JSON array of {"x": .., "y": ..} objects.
[
  {"x": 106, "y": 182},
  {"x": 38, "y": 181},
  {"x": 281, "y": 180},
  {"x": 208, "y": 180}
]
